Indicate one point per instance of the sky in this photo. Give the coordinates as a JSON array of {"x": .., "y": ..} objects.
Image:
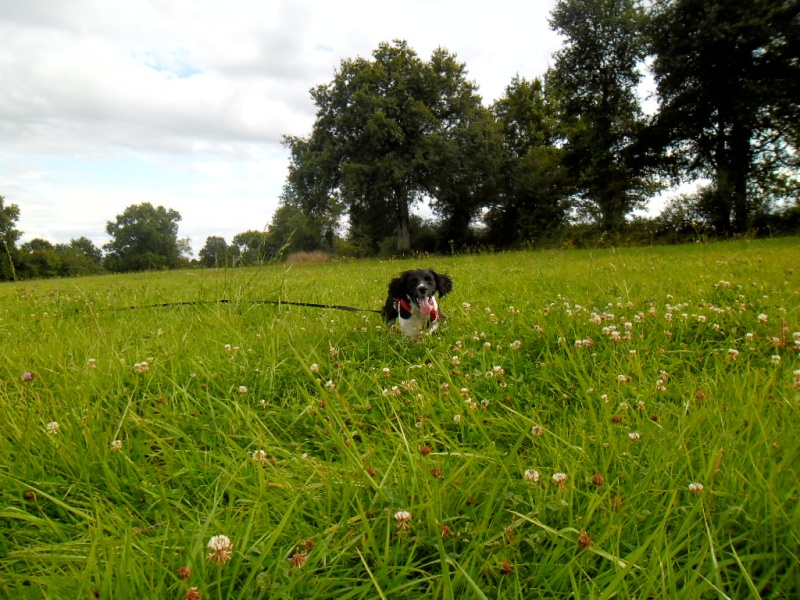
[{"x": 183, "y": 103}]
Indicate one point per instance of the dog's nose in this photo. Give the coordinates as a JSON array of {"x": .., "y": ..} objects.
[{"x": 422, "y": 290}]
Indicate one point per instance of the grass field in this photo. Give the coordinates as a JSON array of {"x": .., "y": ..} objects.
[{"x": 615, "y": 423}]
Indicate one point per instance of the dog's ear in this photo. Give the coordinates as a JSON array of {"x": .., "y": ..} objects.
[
  {"x": 398, "y": 287},
  {"x": 443, "y": 283}
]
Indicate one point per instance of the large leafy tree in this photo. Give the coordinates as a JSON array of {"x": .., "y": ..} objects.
[
  {"x": 217, "y": 253},
  {"x": 728, "y": 81},
  {"x": 143, "y": 237},
  {"x": 595, "y": 75},
  {"x": 9, "y": 234},
  {"x": 389, "y": 131},
  {"x": 533, "y": 188}
]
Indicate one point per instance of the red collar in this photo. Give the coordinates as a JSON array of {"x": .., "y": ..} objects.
[{"x": 406, "y": 306}]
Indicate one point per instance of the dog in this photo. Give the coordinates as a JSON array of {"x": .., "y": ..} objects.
[{"x": 412, "y": 301}]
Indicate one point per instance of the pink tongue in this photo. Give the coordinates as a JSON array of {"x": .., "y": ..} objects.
[{"x": 425, "y": 306}]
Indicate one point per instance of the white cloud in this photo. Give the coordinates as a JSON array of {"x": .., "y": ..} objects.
[{"x": 106, "y": 103}]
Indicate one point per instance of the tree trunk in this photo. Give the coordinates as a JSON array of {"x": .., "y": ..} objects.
[
  {"x": 403, "y": 229},
  {"x": 740, "y": 169}
]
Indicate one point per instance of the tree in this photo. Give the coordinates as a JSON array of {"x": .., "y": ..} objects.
[
  {"x": 533, "y": 190},
  {"x": 143, "y": 238},
  {"x": 217, "y": 253},
  {"x": 387, "y": 134},
  {"x": 86, "y": 247},
  {"x": 291, "y": 230},
  {"x": 595, "y": 76},
  {"x": 728, "y": 83},
  {"x": 253, "y": 247},
  {"x": 9, "y": 215}
]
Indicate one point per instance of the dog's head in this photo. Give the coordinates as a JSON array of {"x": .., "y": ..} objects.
[{"x": 420, "y": 286}]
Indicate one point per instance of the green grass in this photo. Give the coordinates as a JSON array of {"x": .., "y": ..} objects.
[{"x": 347, "y": 445}]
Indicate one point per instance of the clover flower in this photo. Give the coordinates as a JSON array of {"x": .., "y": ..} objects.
[
  {"x": 221, "y": 549},
  {"x": 532, "y": 475},
  {"x": 298, "y": 559},
  {"x": 733, "y": 354},
  {"x": 635, "y": 436},
  {"x": 28, "y": 376},
  {"x": 775, "y": 359},
  {"x": 116, "y": 445},
  {"x": 516, "y": 345},
  {"x": 141, "y": 367},
  {"x": 402, "y": 518},
  {"x": 260, "y": 456},
  {"x": 560, "y": 479},
  {"x": 696, "y": 488},
  {"x": 537, "y": 430},
  {"x": 457, "y": 419},
  {"x": 242, "y": 390},
  {"x": 52, "y": 427}
]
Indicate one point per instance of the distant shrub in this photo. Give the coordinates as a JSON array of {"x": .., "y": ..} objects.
[{"x": 303, "y": 257}]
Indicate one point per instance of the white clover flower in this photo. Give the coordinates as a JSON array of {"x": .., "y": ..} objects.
[
  {"x": 537, "y": 430},
  {"x": 52, "y": 427},
  {"x": 221, "y": 549},
  {"x": 457, "y": 419},
  {"x": 635, "y": 436},
  {"x": 116, "y": 445},
  {"x": 762, "y": 318},
  {"x": 696, "y": 488},
  {"x": 733, "y": 354},
  {"x": 775, "y": 359},
  {"x": 532, "y": 475},
  {"x": 402, "y": 518},
  {"x": 516, "y": 345},
  {"x": 242, "y": 389},
  {"x": 260, "y": 456}
]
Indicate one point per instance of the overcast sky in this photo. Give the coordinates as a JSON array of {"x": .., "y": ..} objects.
[{"x": 182, "y": 103}]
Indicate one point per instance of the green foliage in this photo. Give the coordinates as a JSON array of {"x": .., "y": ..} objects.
[
  {"x": 144, "y": 238},
  {"x": 728, "y": 76},
  {"x": 217, "y": 253},
  {"x": 38, "y": 258},
  {"x": 534, "y": 186},
  {"x": 253, "y": 247},
  {"x": 595, "y": 78},
  {"x": 301, "y": 433},
  {"x": 390, "y": 131},
  {"x": 291, "y": 230},
  {"x": 9, "y": 215}
]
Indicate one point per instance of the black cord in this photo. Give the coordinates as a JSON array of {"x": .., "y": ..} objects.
[{"x": 224, "y": 301}]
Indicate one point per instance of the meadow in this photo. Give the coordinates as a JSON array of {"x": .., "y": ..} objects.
[{"x": 585, "y": 424}]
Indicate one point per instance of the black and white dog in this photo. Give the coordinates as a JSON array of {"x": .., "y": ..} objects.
[{"x": 412, "y": 300}]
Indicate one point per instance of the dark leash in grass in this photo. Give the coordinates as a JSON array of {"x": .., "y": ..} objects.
[{"x": 225, "y": 301}]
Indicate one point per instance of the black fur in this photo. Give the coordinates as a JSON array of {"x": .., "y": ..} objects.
[{"x": 413, "y": 285}]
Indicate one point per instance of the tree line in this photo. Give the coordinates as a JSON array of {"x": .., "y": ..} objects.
[
  {"x": 572, "y": 146},
  {"x": 143, "y": 237}
]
